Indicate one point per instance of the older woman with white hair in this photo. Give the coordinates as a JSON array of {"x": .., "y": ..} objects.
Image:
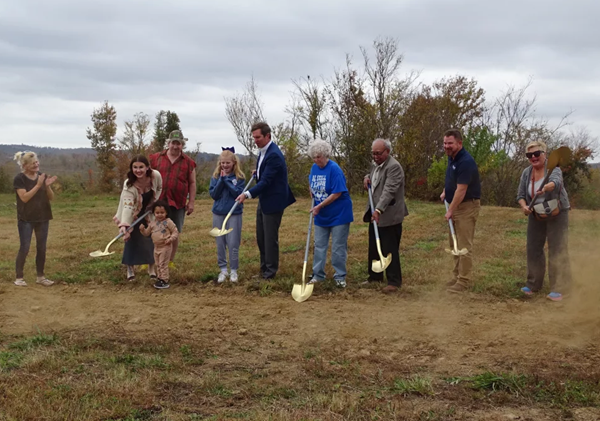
[
  {"x": 34, "y": 193},
  {"x": 541, "y": 227},
  {"x": 332, "y": 211}
]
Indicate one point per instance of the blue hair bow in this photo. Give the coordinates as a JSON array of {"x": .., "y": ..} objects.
[{"x": 232, "y": 149}]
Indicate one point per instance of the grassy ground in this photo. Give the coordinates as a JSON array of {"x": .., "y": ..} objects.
[
  {"x": 209, "y": 352},
  {"x": 84, "y": 224}
]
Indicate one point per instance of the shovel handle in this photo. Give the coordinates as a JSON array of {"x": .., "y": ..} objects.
[
  {"x": 310, "y": 221},
  {"x": 450, "y": 221},
  {"x": 133, "y": 224},
  {"x": 236, "y": 202},
  {"x": 372, "y": 206}
]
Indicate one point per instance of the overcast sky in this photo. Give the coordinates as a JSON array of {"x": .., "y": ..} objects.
[{"x": 60, "y": 59}]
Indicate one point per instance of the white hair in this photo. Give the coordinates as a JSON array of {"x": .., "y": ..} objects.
[
  {"x": 25, "y": 157},
  {"x": 386, "y": 143},
  {"x": 319, "y": 147}
]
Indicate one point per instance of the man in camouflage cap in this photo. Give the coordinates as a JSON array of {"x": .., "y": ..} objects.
[{"x": 179, "y": 180}]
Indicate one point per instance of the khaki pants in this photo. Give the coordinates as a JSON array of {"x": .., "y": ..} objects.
[
  {"x": 464, "y": 218},
  {"x": 162, "y": 255}
]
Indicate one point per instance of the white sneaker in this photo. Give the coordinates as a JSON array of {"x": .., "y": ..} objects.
[
  {"x": 234, "y": 276},
  {"x": 314, "y": 281},
  {"x": 222, "y": 277},
  {"x": 20, "y": 283},
  {"x": 45, "y": 282}
]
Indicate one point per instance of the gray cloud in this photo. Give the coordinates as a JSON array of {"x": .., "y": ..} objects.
[{"x": 60, "y": 59}]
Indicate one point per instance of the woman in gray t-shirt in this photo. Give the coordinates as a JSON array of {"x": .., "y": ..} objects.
[{"x": 34, "y": 193}]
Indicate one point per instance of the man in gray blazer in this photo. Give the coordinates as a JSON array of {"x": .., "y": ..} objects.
[{"x": 387, "y": 184}]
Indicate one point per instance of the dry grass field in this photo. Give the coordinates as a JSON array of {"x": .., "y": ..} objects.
[{"x": 96, "y": 347}]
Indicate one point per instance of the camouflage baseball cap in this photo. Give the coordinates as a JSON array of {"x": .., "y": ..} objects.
[{"x": 176, "y": 136}]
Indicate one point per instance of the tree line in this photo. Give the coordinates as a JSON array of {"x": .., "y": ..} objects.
[
  {"x": 374, "y": 98},
  {"x": 355, "y": 105}
]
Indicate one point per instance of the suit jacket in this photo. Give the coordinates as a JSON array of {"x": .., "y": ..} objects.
[
  {"x": 274, "y": 193},
  {"x": 388, "y": 194}
]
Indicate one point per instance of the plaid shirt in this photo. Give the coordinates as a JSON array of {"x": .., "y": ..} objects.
[{"x": 176, "y": 177}]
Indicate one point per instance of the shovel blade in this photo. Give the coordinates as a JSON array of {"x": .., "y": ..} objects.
[
  {"x": 99, "y": 253},
  {"x": 462, "y": 252},
  {"x": 379, "y": 266},
  {"x": 301, "y": 293},
  {"x": 457, "y": 252},
  {"x": 217, "y": 232}
]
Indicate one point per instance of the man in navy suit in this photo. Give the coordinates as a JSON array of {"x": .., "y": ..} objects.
[{"x": 274, "y": 195}]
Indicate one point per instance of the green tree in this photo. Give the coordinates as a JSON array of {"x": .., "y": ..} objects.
[
  {"x": 165, "y": 123},
  {"x": 102, "y": 139}
]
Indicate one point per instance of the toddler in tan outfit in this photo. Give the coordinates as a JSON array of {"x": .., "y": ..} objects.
[{"x": 163, "y": 232}]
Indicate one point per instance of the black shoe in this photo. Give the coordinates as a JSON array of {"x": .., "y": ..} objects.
[{"x": 160, "y": 284}]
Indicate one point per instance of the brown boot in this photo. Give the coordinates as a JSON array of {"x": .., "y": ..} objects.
[
  {"x": 450, "y": 283},
  {"x": 457, "y": 288},
  {"x": 390, "y": 289}
]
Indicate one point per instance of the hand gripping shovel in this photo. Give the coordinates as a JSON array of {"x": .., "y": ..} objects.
[
  {"x": 561, "y": 156},
  {"x": 378, "y": 266},
  {"x": 301, "y": 292},
  {"x": 455, "y": 251},
  {"x": 216, "y": 231},
  {"x": 99, "y": 253}
]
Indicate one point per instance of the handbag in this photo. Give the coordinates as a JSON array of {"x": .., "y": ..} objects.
[{"x": 546, "y": 210}]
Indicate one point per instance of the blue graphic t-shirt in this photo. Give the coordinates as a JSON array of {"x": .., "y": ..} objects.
[{"x": 326, "y": 181}]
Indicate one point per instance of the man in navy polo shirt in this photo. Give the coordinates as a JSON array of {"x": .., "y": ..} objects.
[{"x": 462, "y": 191}]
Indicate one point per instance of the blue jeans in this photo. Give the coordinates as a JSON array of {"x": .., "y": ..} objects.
[
  {"x": 229, "y": 242},
  {"x": 26, "y": 230},
  {"x": 339, "y": 251}
]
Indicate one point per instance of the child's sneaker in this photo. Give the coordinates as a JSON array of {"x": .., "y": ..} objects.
[
  {"x": 20, "y": 283},
  {"x": 234, "y": 276},
  {"x": 554, "y": 296},
  {"x": 222, "y": 277},
  {"x": 341, "y": 283},
  {"x": 314, "y": 281},
  {"x": 160, "y": 284},
  {"x": 45, "y": 282}
]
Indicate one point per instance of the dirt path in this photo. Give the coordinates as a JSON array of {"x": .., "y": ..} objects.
[
  {"x": 462, "y": 330},
  {"x": 441, "y": 335}
]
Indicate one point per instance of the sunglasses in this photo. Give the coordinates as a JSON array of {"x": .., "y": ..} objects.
[
  {"x": 377, "y": 153},
  {"x": 530, "y": 155}
]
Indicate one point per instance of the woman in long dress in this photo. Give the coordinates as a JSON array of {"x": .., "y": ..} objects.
[{"x": 142, "y": 188}]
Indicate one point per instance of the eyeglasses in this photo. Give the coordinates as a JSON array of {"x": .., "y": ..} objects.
[
  {"x": 377, "y": 153},
  {"x": 530, "y": 155}
]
